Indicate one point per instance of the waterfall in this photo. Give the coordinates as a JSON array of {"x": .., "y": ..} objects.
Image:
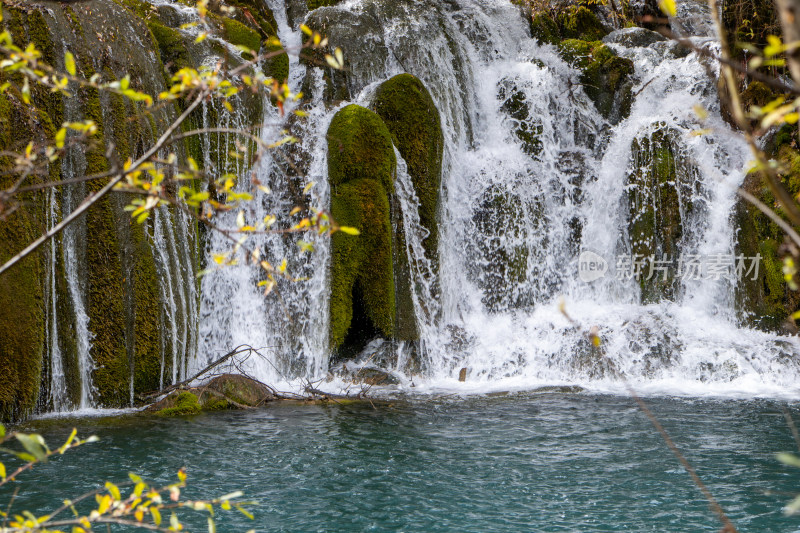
[
  {"x": 534, "y": 178},
  {"x": 516, "y": 215}
]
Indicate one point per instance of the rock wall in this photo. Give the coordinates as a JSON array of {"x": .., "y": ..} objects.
[{"x": 116, "y": 259}]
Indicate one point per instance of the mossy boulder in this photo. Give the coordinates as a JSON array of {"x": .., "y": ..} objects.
[
  {"x": 410, "y": 114},
  {"x": 360, "y": 146},
  {"x": 578, "y": 22},
  {"x": 361, "y": 166},
  {"x": 527, "y": 129},
  {"x": 661, "y": 189},
  {"x": 171, "y": 45},
  {"x": 186, "y": 403},
  {"x": 606, "y": 77},
  {"x": 239, "y": 34},
  {"x": 228, "y": 391}
]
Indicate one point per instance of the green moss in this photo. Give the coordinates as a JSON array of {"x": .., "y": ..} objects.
[
  {"x": 360, "y": 146},
  {"x": 277, "y": 67},
  {"x": 544, "y": 29},
  {"x": 577, "y": 22},
  {"x": 314, "y": 4},
  {"x": 361, "y": 166},
  {"x": 215, "y": 403},
  {"x": 171, "y": 45},
  {"x": 528, "y": 129},
  {"x": 604, "y": 75},
  {"x": 361, "y": 266},
  {"x": 408, "y": 111},
  {"x": 258, "y": 11},
  {"x": 185, "y": 404},
  {"x": 240, "y": 35},
  {"x": 21, "y": 288}
]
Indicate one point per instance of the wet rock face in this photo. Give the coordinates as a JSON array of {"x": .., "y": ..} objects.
[
  {"x": 634, "y": 37},
  {"x": 662, "y": 191},
  {"x": 360, "y": 36},
  {"x": 111, "y": 39},
  {"x": 646, "y": 13},
  {"x": 527, "y": 129},
  {"x": 503, "y": 254}
]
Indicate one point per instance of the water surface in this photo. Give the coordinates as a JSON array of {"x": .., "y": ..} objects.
[{"x": 527, "y": 462}]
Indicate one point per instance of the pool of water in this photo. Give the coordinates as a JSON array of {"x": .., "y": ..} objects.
[{"x": 525, "y": 462}]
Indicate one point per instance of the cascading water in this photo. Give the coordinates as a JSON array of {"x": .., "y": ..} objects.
[{"x": 517, "y": 211}]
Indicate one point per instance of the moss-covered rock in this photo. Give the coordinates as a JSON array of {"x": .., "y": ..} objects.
[
  {"x": 185, "y": 404},
  {"x": 501, "y": 221},
  {"x": 239, "y": 34},
  {"x": 360, "y": 146},
  {"x": 766, "y": 301},
  {"x": 577, "y": 22},
  {"x": 361, "y": 166},
  {"x": 362, "y": 300},
  {"x": 21, "y": 288},
  {"x": 174, "y": 53},
  {"x": 544, "y": 29},
  {"x": 605, "y": 76},
  {"x": 527, "y": 129},
  {"x": 573, "y": 22},
  {"x": 661, "y": 191},
  {"x": 408, "y": 111}
]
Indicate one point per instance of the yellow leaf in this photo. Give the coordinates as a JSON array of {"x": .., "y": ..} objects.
[
  {"x": 156, "y": 516},
  {"x": 69, "y": 63},
  {"x": 348, "y": 230},
  {"x": 668, "y": 7}
]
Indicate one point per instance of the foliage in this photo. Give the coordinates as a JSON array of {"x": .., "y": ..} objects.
[{"x": 146, "y": 506}]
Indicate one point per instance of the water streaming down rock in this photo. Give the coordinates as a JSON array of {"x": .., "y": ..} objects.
[{"x": 534, "y": 174}]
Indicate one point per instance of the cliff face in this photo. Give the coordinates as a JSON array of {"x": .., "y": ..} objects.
[{"x": 105, "y": 284}]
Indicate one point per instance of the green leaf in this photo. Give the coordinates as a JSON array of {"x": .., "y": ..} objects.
[
  {"x": 69, "y": 63},
  {"x": 2, "y": 431},
  {"x": 34, "y": 444}
]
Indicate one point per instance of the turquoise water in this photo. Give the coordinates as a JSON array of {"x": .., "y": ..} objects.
[{"x": 505, "y": 464}]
